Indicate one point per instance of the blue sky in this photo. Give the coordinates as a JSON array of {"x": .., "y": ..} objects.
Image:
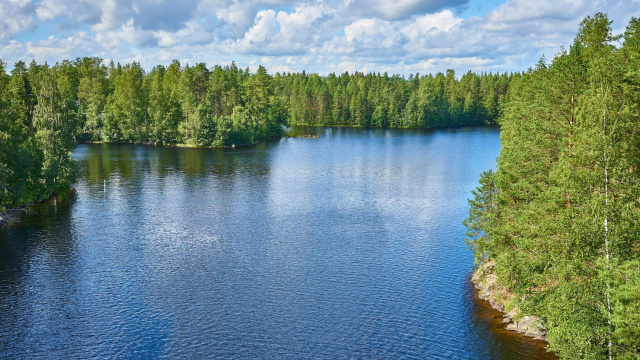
[{"x": 394, "y": 36}]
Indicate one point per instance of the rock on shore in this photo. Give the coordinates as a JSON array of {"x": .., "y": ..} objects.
[{"x": 485, "y": 281}]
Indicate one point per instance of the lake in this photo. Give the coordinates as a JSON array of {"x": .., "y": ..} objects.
[{"x": 345, "y": 246}]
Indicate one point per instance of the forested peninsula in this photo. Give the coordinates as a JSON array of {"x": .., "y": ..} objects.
[
  {"x": 45, "y": 110},
  {"x": 558, "y": 223}
]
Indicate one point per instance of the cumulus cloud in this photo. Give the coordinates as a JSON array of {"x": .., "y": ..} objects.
[
  {"x": 112, "y": 16},
  {"x": 265, "y": 27},
  {"x": 51, "y": 9},
  {"x": 420, "y": 36},
  {"x": 235, "y": 19},
  {"x": 194, "y": 33},
  {"x": 128, "y": 34},
  {"x": 397, "y": 36},
  {"x": 17, "y": 16},
  {"x": 430, "y": 24},
  {"x": 400, "y": 9},
  {"x": 109, "y": 15},
  {"x": 286, "y": 33},
  {"x": 296, "y": 24},
  {"x": 52, "y": 49}
]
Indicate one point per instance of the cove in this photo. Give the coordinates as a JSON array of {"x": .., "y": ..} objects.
[{"x": 348, "y": 245}]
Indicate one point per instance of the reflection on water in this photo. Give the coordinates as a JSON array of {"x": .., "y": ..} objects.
[
  {"x": 488, "y": 322},
  {"x": 345, "y": 246}
]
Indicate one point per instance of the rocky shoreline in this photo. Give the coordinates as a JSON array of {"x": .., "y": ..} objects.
[{"x": 501, "y": 299}]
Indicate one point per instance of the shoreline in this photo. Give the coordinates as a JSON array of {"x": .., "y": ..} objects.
[
  {"x": 177, "y": 145},
  {"x": 7, "y": 217},
  {"x": 500, "y": 299},
  {"x": 284, "y": 135}
]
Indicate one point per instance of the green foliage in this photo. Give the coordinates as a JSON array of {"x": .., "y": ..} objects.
[
  {"x": 54, "y": 122},
  {"x": 37, "y": 128},
  {"x": 559, "y": 216},
  {"x": 564, "y": 231},
  {"x": 126, "y": 106},
  {"x": 626, "y": 308},
  {"x": 375, "y": 100},
  {"x": 93, "y": 89},
  {"x": 482, "y": 211}
]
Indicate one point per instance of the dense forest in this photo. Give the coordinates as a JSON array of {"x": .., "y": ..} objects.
[
  {"x": 375, "y": 100},
  {"x": 37, "y": 129},
  {"x": 560, "y": 215},
  {"x": 45, "y": 109}
]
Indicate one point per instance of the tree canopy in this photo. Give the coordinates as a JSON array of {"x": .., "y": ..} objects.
[{"x": 560, "y": 215}]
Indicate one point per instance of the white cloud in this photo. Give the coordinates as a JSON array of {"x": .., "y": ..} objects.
[
  {"x": 128, "y": 34},
  {"x": 282, "y": 69},
  {"x": 286, "y": 33},
  {"x": 193, "y": 33},
  {"x": 299, "y": 22},
  {"x": 111, "y": 16},
  {"x": 17, "y": 16},
  {"x": 430, "y": 24},
  {"x": 400, "y": 9},
  {"x": 519, "y": 11},
  {"x": 265, "y": 26},
  {"x": 238, "y": 18},
  {"x": 51, "y": 9},
  {"x": 52, "y": 49},
  {"x": 398, "y": 36},
  {"x": 374, "y": 38}
]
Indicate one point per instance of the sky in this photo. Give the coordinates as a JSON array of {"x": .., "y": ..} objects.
[{"x": 322, "y": 36}]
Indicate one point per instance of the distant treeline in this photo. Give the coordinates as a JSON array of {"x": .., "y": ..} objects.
[
  {"x": 195, "y": 105},
  {"x": 375, "y": 100},
  {"x": 45, "y": 109},
  {"x": 561, "y": 215}
]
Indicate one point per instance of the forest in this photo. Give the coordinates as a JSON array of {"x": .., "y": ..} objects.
[
  {"x": 560, "y": 215},
  {"x": 45, "y": 110}
]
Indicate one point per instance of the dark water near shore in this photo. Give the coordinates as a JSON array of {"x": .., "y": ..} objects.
[{"x": 348, "y": 246}]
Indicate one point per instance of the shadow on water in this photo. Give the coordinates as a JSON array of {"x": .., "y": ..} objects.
[
  {"x": 101, "y": 161},
  {"x": 504, "y": 344},
  {"x": 49, "y": 219},
  {"x": 35, "y": 252}
]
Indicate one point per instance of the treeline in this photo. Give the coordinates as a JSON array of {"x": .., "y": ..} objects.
[
  {"x": 375, "y": 100},
  {"x": 174, "y": 105},
  {"x": 560, "y": 216},
  {"x": 222, "y": 106}
]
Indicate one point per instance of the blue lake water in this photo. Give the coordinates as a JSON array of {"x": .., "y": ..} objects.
[{"x": 345, "y": 246}]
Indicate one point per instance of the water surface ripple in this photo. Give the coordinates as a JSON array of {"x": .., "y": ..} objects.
[{"x": 348, "y": 246}]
